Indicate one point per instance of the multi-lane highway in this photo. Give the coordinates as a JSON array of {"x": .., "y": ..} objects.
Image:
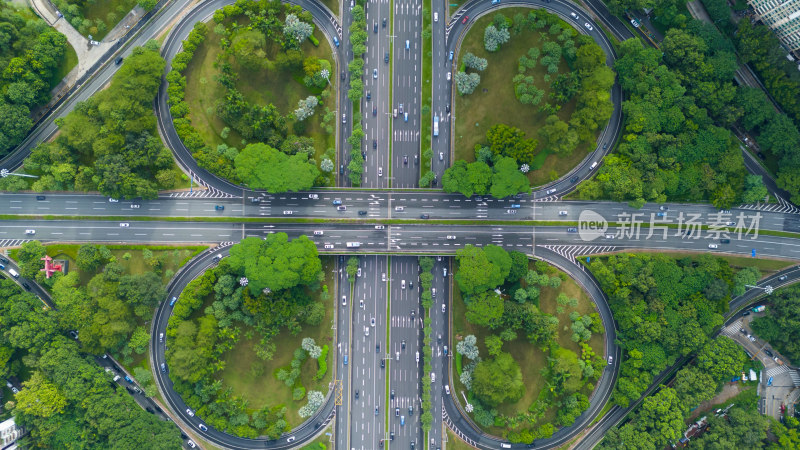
[{"x": 379, "y": 321}]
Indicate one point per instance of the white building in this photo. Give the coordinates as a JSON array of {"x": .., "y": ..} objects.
[
  {"x": 9, "y": 433},
  {"x": 783, "y": 17}
]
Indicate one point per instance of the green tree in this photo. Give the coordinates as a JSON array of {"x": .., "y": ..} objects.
[
  {"x": 497, "y": 380},
  {"x": 275, "y": 262},
  {"x": 721, "y": 358},
  {"x": 507, "y": 179},
  {"x": 30, "y": 258},
  {"x": 485, "y": 309},
  {"x": 481, "y": 269},
  {"x": 263, "y": 167},
  {"x": 40, "y": 397}
]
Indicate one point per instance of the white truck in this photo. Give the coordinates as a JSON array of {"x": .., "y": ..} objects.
[
  {"x": 435, "y": 126},
  {"x": 13, "y": 273}
]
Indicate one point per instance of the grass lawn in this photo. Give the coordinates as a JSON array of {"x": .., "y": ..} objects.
[
  {"x": 174, "y": 257},
  {"x": 108, "y": 11},
  {"x": 69, "y": 62},
  {"x": 242, "y": 368},
  {"x": 333, "y": 5},
  {"x": 494, "y": 102},
  {"x": 202, "y": 92},
  {"x": 322, "y": 442},
  {"x": 454, "y": 443},
  {"x": 529, "y": 357},
  {"x": 766, "y": 266}
]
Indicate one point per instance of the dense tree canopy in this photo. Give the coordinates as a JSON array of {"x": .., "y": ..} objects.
[
  {"x": 109, "y": 142},
  {"x": 67, "y": 400},
  {"x": 481, "y": 269},
  {"x": 662, "y": 312},
  {"x": 263, "y": 167},
  {"x": 30, "y": 55},
  {"x": 780, "y": 326},
  {"x": 275, "y": 262}
]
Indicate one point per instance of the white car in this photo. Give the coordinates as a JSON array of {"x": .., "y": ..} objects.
[
  {"x": 450, "y": 237},
  {"x": 313, "y": 196},
  {"x": 436, "y": 17},
  {"x": 444, "y": 308},
  {"x": 189, "y": 412},
  {"x": 610, "y": 360},
  {"x": 317, "y": 232},
  {"x": 366, "y": 331},
  {"x": 112, "y": 200},
  {"x": 562, "y": 213},
  {"x": 375, "y": 73},
  {"x": 287, "y": 213},
  {"x": 448, "y": 76},
  {"x": 574, "y": 16},
  {"x": 30, "y": 231},
  {"x": 358, "y": 273},
  {"x": 399, "y": 208},
  {"x": 444, "y": 271},
  {"x": 730, "y": 224},
  {"x": 383, "y": 276},
  {"x": 551, "y": 191},
  {"x": 713, "y": 246},
  {"x": 609, "y": 236},
  {"x": 379, "y": 227},
  {"x": 380, "y": 171},
  {"x": 372, "y": 321},
  {"x": 588, "y": 27},
  {"x": 328, "y": 246},
  {"x": 124, "y": 224},
  {"x": 361, "y": 304},
  {"x": 137, "y": 206},
  {"x": 447, "y": 389},
  {"x": 191, "y": 444},
  {"x": 344, "y": 300}
]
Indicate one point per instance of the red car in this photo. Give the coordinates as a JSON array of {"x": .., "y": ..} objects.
[{"x": 466, "y": 18}]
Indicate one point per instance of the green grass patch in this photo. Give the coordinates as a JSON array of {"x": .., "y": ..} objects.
[
  {"x": 530, "y": 358},
  {"x": 109, "y": 12},
  {"x": 67, "y": 64},
  {"x": 494, "y": 101},
  {"x": 173, "y": 257},
  {"x": 261, "y": 87},
  {"x": 455, "y": 443},
  {"x": 426, "y": 118},
  {"x": 253, "y": 379},
  {"x": 765, "y": 265}
]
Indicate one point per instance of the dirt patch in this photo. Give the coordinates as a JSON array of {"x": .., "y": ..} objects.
[{"x": 729, "y": 391}]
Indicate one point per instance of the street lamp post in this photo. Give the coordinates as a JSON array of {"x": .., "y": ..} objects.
[{"x": 767, "y": 289}]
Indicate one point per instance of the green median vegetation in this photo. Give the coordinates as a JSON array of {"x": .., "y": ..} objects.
[
  {"x": 251, "y": 97},
  {"x": 528, "y": 343},
  {"x": 249, "y": 338}
]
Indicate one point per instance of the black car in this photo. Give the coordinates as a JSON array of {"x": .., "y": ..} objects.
[
  {"x": 424, "y": 216},
  {"x": 343, "y": 76},
  {"x": 118, "y": 61},
  {"x": 317, "y": 425},
  {"x": 341, "y": 169},
  {"x": 446, "y": 108},
  {"x": 374, "y": 143},
  {"x": 391, "y": 436},
  {"x": 725, "y": 241},
  {"x": 375, "y": 27},
  {"x": 362, "y": 213},
  {"x": 405, "y": 159},
  {"x": 3, "y": 260},
  {"x": 356, "y": 393},
  {"x": 40, "y": 197},
  {"x": 383, "y": 364},
  {"x": 573, "y": 179},
  {"x": 384, "y": 22},
  {"x": 761, "y": 155},
  {"x": 769, "y": 353},
  {"x": 26, "y": 286},
  {"x": 374, "y": 110},
  {"x": 369, "y": 95},
  {"x": 386, "y": 57},
  {"x": 377, "y": 348}
]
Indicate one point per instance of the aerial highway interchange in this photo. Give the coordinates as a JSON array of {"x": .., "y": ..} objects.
[{"x": 379, "y": 321}]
